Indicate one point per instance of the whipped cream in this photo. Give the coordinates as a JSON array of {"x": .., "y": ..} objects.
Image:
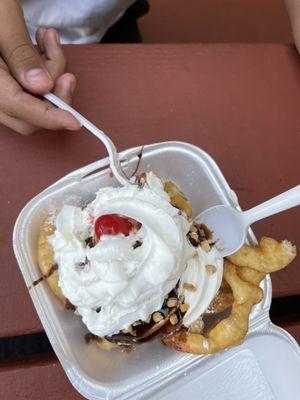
[
  {"x": 115, "y": 283},
  {"x": 206, "y": 282},
  {"x": 128, "y": 284}
]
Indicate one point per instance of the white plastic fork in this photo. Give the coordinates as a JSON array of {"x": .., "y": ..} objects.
[{"x": 111, "y": 148}]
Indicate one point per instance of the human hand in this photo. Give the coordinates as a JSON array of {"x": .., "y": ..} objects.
[
  {"x": 26, "y": 70},
  {"x": 293, "y": 7}
]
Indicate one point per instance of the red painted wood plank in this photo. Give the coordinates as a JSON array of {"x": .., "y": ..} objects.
[
  {"x": 43, "y": 380},
  {"x": 47, "y": 380},
  {"x": 238, "y": 102},
  {"x": 221, "y": 21},
  {"x": 294, "y": 330}
]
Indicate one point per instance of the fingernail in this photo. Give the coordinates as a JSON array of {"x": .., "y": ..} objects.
[
  {"x": 37, "y": 75},
  {"x": 57, "y": 37},
  {"x": 72, "y": 87},
  {"x": 42, "y": 29},
  {"x": 73, "y": 128}
]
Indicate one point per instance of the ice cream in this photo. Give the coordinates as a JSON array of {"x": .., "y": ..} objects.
[
  {"x": 125, "y": 277},
  {"x": 204, "y": 272}
]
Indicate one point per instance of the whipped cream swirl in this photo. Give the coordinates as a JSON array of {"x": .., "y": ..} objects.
[
  {"x": 114, "y": 283},
  {"x": 204, "y": 272}
]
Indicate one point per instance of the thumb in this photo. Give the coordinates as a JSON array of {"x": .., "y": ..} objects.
[
  {"x": 28, "y": 68},
  {"x": 21, "y": 56}
]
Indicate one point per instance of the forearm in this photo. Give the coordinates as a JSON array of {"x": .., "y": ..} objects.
[{"x": 293, "y": 7}]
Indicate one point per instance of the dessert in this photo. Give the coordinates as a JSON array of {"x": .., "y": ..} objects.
[{"x": 134, "y": 265}]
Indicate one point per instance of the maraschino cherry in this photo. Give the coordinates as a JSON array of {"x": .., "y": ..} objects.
[{"x": 112, "y": 224}]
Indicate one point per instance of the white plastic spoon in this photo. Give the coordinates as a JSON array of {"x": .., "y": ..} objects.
[
  {"x": 111, "y": 148},
  {"x": 229, "y": 226}
]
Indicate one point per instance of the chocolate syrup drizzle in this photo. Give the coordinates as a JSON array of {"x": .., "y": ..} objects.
[
  {"x": 140, "y": 155},
  {"x": 42, "y": 278}
]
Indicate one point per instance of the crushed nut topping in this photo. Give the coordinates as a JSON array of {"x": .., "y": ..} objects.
[
  {"x": 171, "y": 302},
  {"x": 205, "y": 246},
  {"x": 136, "y": 323},
  {"x": 190, "y": 287},
  {"x": 204, "y": 232},
  {"x": 157, "y": 316},
  {"x": 193, "y": 242},
  {"x": 128, "y": 330},
  {"x": 210, "y": 269},
  {"x": 200, "y": 234},
  {"x": 142, "y": 179},
  {"x": 184, "y": 307},
  {"x": 174, "y": 319},
  {"x": 193, "y": 229},
  {"x": 194, "y": 236},
  {"x": 197, "y": 326}
]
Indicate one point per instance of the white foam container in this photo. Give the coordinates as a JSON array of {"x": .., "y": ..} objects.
[{"x": 266, "y": 366}]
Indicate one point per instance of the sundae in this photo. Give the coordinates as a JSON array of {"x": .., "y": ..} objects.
[{"x": 134, "y": 265}]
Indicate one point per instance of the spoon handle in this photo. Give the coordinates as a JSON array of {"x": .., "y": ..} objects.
[
  {"x": 282, "y": 202},
  {"x": 111, "y": 149}
]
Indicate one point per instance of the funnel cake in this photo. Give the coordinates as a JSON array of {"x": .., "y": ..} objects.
[{"x": 201, "y": 308}]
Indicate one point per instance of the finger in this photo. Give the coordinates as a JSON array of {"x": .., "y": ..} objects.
[
  {"x": 293, "y": 7},
  {"x": 3, "y": 65},
  {"x": 41, "y": 114},
  {"x": 23, "y": 59},
  {"x": 39, "y": 37},
  {"x": 65, "y": 87},
  {"x": 55, "y": 58},
  {"x": 16, "y": 125}
]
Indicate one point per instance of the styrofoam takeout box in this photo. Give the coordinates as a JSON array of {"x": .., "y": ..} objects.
[{"x": 266, "y": 366}]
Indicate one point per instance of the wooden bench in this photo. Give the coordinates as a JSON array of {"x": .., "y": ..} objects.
[{"x": 240, "y": 103}]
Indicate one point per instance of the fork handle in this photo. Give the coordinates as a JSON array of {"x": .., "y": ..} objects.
[
  {"x": 277, "y": 204},
  {"x": 111, "y": 149}
]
